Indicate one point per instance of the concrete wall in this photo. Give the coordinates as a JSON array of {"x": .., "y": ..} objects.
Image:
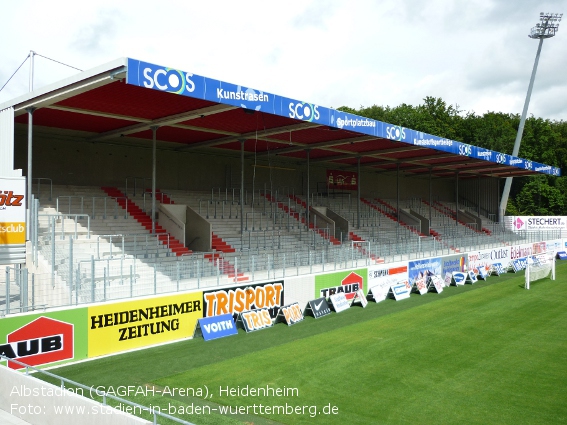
[
  {"x": 407, "y": 217},
  {"x": 35, "y": 401},
  {"x": 319, "y": 218},
  {"x": 424, "y": 222},
  {"x": 341, "y": 225},
  {"x": 172, "y": 218},
  {"x": 198, "y": 234},
  {"x": 72, "y": 160}
]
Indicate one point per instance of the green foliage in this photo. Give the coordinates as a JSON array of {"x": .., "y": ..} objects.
[{"x": 538, "y": 197}]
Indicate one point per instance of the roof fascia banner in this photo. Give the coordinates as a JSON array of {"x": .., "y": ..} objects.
[{"x": 156, "y": 77}]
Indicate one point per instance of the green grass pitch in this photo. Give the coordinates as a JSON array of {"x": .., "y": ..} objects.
[{"x": 488, "y": 353}]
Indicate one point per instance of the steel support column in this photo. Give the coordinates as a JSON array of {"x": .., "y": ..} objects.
[
  {"x": 154, "y": 174},
  {"x": 308, "y": 183},
  {"x": 358, "y": 194},
  {"x": 30, "y": 111}
]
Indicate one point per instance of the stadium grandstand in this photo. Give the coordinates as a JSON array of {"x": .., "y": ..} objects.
[
  {"x": 142, "y": 179},
  {"x": 135, "y": 192}
]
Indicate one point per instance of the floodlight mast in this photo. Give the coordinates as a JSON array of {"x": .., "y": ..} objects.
[{"x": 546, "y": 28}]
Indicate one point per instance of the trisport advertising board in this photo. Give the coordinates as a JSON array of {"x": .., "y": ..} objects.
[{"x": 239, "y": 299}]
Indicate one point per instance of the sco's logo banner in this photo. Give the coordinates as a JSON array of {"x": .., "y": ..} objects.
[
  {"x": 304, "y": 111},
  {"x": 501, "y": 158}
]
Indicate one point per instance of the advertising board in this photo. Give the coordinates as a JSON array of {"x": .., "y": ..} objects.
[
  {"x": 115, "y": 327},
  {"x": 401, "y": 290},
  {"x": 422, "y": 269},
  {"x": 529, "y": 223},
  {"x": 183, "y": 83},
  {"x": 12, "y": 211},
  {"x": 217, "y": 327},
  {"x": 291, "y": 314},
  {"x": 257, "y": 319},
  {"x": 49, "y": 338},
  {"x": 318, "y": 307},
  {"x": 382, "y": 277},
  {"x": 347, "y": 282},
  {"x": 340, "y": 303},
  {"x": 459, "y": 278},
  {"x": 236, "y": 300},
  {"x": 454, "y": 263}
]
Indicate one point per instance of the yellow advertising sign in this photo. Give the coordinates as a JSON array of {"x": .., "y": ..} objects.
[
  {"x": 140, "y": 323},
  {"x": 12, "y": 211},
  {"x": 12, "y": 233}
]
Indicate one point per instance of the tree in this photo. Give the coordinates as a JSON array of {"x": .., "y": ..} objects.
[{"x": 538, "y": 197}]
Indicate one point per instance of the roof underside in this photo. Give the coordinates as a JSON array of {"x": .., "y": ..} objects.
[{"x": 120, "y": 113}]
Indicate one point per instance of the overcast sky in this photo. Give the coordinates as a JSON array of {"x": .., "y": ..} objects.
[{"x": 472, "y": 53}]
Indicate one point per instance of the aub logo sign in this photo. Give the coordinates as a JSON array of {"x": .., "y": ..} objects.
[
  {"x": 396, "y": 133},
  {"x": 42, "y": 341}
]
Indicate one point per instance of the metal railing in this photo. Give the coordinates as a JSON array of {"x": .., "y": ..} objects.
[
  {"x": 135, "y": 183},
  {"x": 103, "y": 395},
  {"x": 279, "y": 245},
  {"x": 81, "y": 207},
  {"x": 39, "y": 180}
]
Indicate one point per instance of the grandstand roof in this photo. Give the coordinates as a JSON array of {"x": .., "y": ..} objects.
[{"x": 120, "y": 101}]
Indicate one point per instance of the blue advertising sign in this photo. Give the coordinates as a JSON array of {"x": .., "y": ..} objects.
[
  {"x": 472, "y": 277},
  {"x": 217, "y": 326},
  {"x": 519, "y": 264},
  {"x": 562, "y": 255},
  {"x": 157, "y": 77},
  {"x": 453, "y": 263},
  {"x": 459, "y": 278},
  {"x": 419, "y": 269},
  {"x": 482, "y": 273},
  {"x": 498, "y": 269}
]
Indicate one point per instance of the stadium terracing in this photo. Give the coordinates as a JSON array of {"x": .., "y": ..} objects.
[{"x": 143, "y": 173}]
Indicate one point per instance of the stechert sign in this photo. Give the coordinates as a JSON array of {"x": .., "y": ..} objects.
[
  {"x": 42, "y": 341},
  {"x": 539, "y": 223}
]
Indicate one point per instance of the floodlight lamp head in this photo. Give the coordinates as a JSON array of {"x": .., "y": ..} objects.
[{"x": 548, "y": 26}]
